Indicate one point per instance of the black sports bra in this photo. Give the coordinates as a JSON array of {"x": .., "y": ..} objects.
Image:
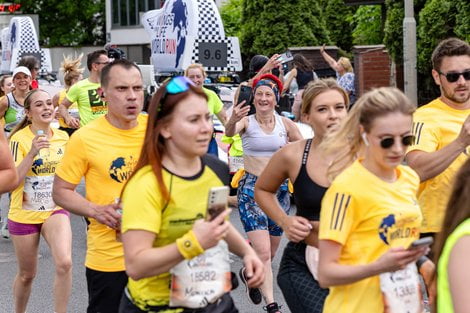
[{"x": 307, "y": 194}]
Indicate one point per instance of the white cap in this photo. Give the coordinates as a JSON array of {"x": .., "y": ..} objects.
[{"x": 21, "y": 69}]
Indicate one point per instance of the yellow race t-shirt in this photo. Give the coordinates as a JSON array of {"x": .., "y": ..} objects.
[
  {"x": 73, "y": 109},
  {"x": 105, "y": 156},
  {"x": 367, "y": 216},
  {"x": 90, "y": 105},
  {"x": 435, "y": 125},
  {"x": 213, "y": 101},
  {"x": 145, "y": 209},
  {"x": 31, "y": 202}
]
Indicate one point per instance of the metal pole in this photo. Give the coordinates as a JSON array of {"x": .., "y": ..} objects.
[{"x": 409, "y": 52}]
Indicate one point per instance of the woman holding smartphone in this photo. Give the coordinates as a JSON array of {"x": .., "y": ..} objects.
[
  {"x": 37, "y": 150},
  {"x": 370, "y": 215},
  {"x": 324, "y": 106},
  {"x": 168, "y": 245},
  {"x": 262, "y": 133}
]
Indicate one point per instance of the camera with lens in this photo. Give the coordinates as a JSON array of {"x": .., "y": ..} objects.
[{"x": 114, "y": 52}]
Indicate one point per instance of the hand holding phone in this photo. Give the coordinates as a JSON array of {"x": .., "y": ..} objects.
[
  {"x": 217, "y": 202},
  {"x": 422, "y": 242},
  {"x": 286, "y": 57},
  {"x": 245, "y": 94}
]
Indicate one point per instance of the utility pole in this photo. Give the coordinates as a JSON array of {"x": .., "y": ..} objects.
[{"x": 409, "y": 53}]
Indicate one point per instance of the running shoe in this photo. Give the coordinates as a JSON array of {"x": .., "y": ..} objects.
[
  {"x": 4, "y": 230},
  {"x": 254, "y": 294},
  {"x": 273, "y": 308}
]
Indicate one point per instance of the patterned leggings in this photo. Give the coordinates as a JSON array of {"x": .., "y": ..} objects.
[{"x": 301, "y": 291}]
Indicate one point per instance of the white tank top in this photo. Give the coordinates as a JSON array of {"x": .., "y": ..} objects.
[{"x": 259, "y": 144}]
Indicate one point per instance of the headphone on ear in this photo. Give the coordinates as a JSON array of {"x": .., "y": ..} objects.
[
  {"x": 103, "y": 95},
  {"x": 366, "y": 142}
]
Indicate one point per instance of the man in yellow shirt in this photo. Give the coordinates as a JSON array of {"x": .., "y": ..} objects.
[
  {"x": 85, "y": 93},
  {"x": 105, "y": 152},
  {"x": 442, "y": 131}
]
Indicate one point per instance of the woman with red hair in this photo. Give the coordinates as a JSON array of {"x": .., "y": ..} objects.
[{"x": 262, "y": 133}]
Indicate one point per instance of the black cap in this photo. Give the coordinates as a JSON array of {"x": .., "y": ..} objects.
[{"x": 257, "y": 62}]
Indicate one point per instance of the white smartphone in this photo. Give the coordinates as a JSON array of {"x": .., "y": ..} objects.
[
  {"x": 425, "y": 241},
  {"x": 217, "y": 201},
  {"x": 286, "y": 57}
]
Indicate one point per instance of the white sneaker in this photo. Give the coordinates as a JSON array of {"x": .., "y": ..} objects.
[{"x": 4, "y": 230}]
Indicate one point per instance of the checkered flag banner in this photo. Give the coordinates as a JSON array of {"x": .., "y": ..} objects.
[
  {"x": 20, "y": 39},
  {"x": 190, "y": 31}
]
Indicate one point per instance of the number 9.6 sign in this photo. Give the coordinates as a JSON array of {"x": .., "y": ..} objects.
[{"x": 213, "y": 54}]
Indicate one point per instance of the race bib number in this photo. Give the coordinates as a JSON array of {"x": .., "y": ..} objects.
[
  {"x": 235, "y": 163},
  {"x": 202, "y": 280},
  {"x": 401, "y": 291},
  {"x": 312, "y": 258},
  {"x": 37, "y": 193}
]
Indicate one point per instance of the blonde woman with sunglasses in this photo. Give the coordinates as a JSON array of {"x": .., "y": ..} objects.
[{"x": 369, "y": 215}]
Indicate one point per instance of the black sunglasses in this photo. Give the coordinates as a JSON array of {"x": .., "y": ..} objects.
[
  {"x": 390, "y": 141},
  {"x": 453, "y": 77}
]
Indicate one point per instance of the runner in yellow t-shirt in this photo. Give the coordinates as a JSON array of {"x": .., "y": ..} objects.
[
  {"x": 37, "y": 150},
  {"x": 72, "y": 74},
  {"x": 370, "y": 215},
  {"x": 166, "y": 238},
  {"x": 442, "y": 130},
  {"x": 196, "y": 73},
  {"x": 105, "y": 152},
  {"x": 86, "y": 93}
]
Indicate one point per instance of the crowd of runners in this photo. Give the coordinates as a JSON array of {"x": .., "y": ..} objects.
[{"x": 381, "y": 188}]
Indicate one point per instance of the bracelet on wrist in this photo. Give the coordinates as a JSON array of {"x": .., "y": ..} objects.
[
  {"x": 189, "y": 246},
  {"x": 421, "y": 261}
]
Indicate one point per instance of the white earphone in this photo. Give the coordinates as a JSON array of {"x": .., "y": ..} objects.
[{"x": 366, "y": 142}]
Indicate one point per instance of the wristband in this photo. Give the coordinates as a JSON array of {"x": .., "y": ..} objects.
[
  {"x": 421, "y": 261},
  {"x": 189, "y": 246}
]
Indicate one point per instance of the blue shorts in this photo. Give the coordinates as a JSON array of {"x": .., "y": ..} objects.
[{"x": 251, "y": 215}]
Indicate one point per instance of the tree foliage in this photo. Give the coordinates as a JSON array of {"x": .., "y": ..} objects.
[
  {"x": 231, "y": 14},
  {"x": 432, "y": 28},
  {"x": 339, "y": 21},
  {"x": 270, "y": 27},
  {"x": 368, "y": 25},
  {"x": 68, "y": 22}
]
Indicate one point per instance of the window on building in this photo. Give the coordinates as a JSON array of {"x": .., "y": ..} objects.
[{"x": 127, "y": 12}]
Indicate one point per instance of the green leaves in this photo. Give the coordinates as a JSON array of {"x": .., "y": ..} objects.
[
  {"x": 270, "y": 27},
  {"x": 68, "y": 22}
]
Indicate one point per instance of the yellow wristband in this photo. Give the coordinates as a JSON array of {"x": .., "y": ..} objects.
[{"x": 189, "y": 246}]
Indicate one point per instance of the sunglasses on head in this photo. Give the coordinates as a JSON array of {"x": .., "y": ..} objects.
[
  {"x": 453, "y": 77},
  {"x": 175, "y": 86},
  {"x": 388, "y": 142},
  {"x": 178, "y": 85}
]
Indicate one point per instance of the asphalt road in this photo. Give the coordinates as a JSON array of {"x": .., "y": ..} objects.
[{"x": 41, "y": 300}]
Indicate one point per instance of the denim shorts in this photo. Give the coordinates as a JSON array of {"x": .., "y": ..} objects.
[{"x": 251, "y": 215}]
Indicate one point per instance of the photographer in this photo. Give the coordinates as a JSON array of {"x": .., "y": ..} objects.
[{"x": 114, "y": 53}]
